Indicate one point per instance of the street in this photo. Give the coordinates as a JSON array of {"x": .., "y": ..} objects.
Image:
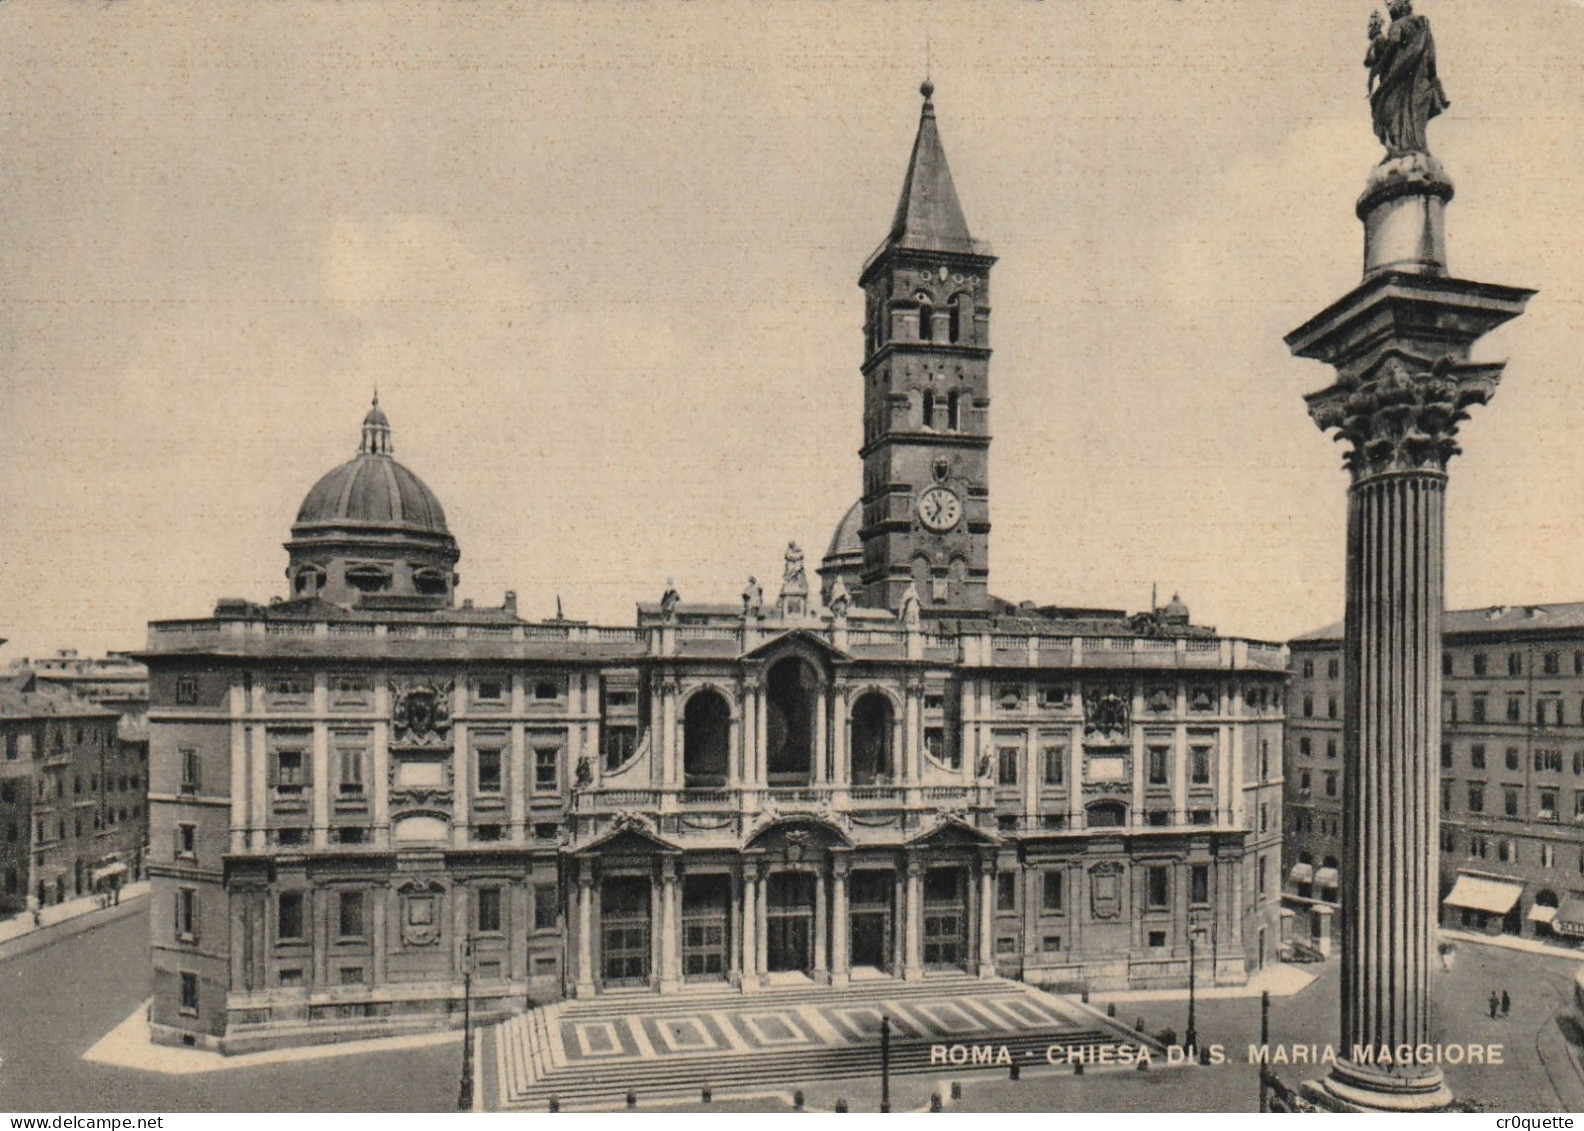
[{"x": 56, "y": 1002}]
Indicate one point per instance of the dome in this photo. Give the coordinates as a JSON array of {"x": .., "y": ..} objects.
[
  {"x": 1176, "y": 609},
  {"x": 372, "y": 489},
  {"x": 845, "y": 542}
]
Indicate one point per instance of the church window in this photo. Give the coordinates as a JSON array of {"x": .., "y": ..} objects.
[
  {"x": 489, "y": 770},
  {"x": 926, "y": 322},
  {"x": 546, "y": 772},
  {"x": 368, "y": 578},
  {"x": 1007, "y": 765},
  {"x": 1158, "y": 893},
  {"x": 1006, "y": 892},
  {"x": 929, "y": 409},
  {"x": 620, "y": 742},
  {"x": 488, "y": 910},
  {"x": 952, "y": 417},
  {"x": 1052, "y": 894}
]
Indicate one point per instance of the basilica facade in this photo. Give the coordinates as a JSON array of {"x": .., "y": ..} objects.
[{"x": 368, "y": 800}]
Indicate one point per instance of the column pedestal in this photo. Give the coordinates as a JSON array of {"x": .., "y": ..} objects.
[{"x": 585, "y": 977}]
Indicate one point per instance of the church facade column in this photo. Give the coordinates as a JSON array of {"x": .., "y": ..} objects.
[
  {"x": 987, "y": 873},
  {"x": 1400, "y": 343},
  {"x": 821, "y": 927},
  {"x": 585, "y": 913},
  {"x": 671, "y": 928},
  {"x": 841, "y": 932},
  {"x": 750, "y": 924},
  {"x": 913, "y": 921}
]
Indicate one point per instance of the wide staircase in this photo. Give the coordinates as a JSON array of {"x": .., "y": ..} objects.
[{"x": 779, "y": 1038}]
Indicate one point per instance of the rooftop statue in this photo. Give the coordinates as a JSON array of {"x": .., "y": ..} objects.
[{"x": 1404, "y": 90}]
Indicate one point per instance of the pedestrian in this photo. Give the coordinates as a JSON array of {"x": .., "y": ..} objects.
[
  {"x": 1506, "y": 1004},
  {"x": 1495, "y": 1003}
]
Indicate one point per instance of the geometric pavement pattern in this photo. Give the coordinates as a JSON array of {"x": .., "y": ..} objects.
[{"x": 672, "y": 1043}]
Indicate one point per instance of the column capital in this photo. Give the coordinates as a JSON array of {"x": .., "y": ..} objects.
[
  {"x": 1402, "y": 415},
  {"x": 668, "y": 868}
]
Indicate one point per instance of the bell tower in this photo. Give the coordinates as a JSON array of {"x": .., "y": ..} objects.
[{"x": 926, "y": 487}]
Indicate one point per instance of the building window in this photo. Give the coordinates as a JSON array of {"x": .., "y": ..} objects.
[
  {"x": 1304, "y": 783},
  {"x": 1446, "y": 797},
  {"x": 1514, "y": 663},
  {"x": 1052, "y": 891},
  {"x": 1476, "y": 798},
  {"x": 1264, "y": 817},
  {"x": 1446, "y": 663},
  {"x": 349, "y": 922},
  {"x": 187, "y": 914},
  {"x": 1157, "y": 939},
  {"x": 549, "y": 688},
  {"x": 1331, "y": 748},
  {"x": 1477, "y": 756},
  {"x": 189, "y": 992},
  {"x": 351, "y": 772},
  {"x": 289, "y": 919},
  {"x": 290, "y": 771},
  {"x": 1006, "y": 891},
  {"x": 489, "y": 770},
  {"x": 1308, "y": 669},
  {"x": 620, "y": 743},
  {"x": 1510, "y": 800},
  {"x": 1578, "y": 805},
  {"x": 544, "y": 907},
  {"x": 1548, "y": 805},
  {"x": 547, "y": 761},
  {"x": 1552, "y": 663},
  {"x": 186, "y": 840},
  {"x": 1157, "y": 887},
  {"x": 1331, "y": 783},
  {"x": 1446, "y": 755},
  {"x": 189, "y": 770},
  {"x": 1515, "y": 708},
  {"x": 488, "y": 909},
  {"x": 1333, "y": 668},
  {"x": 1159, "y": 765},
  {"x": 491, "y": 690},
  {"x": 1449, "y": 712},
  {"x": 186, "y": 691},
  {"x": 1199, "y": 884},
  {"x": 1512, "y": 758},
  {"x": 1007, "y": 765},
  {"x": 1305, "y": 749},
  {"x": 1331, "y": 707},
  {"x": 1548, "y": 761},
  {"x": 1479, "y": 704},
  {"x": 1055, "y": 764},
  {"x": 1504, "y": 851},
  {"x": 351, "y": 691},
  {"x": 1481, "y": 664},
  {"x": 1260, "y": 876},
  {"x": 1199, "y": 765},
  {"x": 1308, "y": 706}
]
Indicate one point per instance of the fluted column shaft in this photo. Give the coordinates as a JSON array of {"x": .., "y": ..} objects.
[{"x": 1395, "y": 585}]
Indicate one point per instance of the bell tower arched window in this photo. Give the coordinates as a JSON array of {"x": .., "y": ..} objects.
[
  {"x": 951, "y": 410},
  {"x": 929, "y": 409},
  {"x": 926, "y": 322}
]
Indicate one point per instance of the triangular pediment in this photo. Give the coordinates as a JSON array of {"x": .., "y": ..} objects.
[
  {"x": 791, "y": 640},
  {"x": 952, "y": 832},
  {"x": 633, "y": 839}
]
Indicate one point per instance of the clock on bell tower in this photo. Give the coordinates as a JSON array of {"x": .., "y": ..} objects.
[{"x": 926, "y": 489}]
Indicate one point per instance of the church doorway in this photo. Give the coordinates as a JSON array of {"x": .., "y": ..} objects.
[
  {"x": 789, "y": 922},
  {"x": 869, "y": 917},
  {"x": 625, "y": 941},
  {"x": 945, "y": 919},
  {"x": 706, "y": 902}
]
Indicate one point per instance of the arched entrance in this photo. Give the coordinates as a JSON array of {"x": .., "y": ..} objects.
[
  {"x": 872, "y": 724},
  {"x": 706, "y": 744},
  {"x": 792, "y": 693}
]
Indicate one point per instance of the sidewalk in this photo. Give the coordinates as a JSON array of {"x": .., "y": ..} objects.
[
  {"x": 1280, "y": 978},
  {"x": 1514, "y": 942},
  {"x": 18, "y": 935}
]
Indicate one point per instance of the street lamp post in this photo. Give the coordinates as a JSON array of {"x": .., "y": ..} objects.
[
  {"x": 885, "y": 1064},
  {"x": 1194, "y": 930},
  {"x": 465, "y": 1096}
]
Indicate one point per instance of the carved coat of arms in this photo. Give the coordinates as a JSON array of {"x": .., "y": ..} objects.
[
  {"x": 1106, "y": 710},
  {"x": 421, "y": 713},
  {"x": 1105, "y": 890}
]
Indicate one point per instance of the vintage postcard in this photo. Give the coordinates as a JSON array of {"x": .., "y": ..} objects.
[{"x": 781, "y": 557}]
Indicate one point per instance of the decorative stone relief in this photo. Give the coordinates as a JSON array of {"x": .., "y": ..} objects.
[
  {"x": 421, "y": 713},
  {"x": 1106, "y": 710},
  {"x": 1105, "y": 890}
]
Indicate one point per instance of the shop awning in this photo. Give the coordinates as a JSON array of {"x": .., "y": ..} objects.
[
  {"x": 108, "y": 872},
  {"x": 1476, "y": 893},
  {"x": 1326, "y": 877},
  {"x": 1301, "y": 873},
  {"x": 1539, "y": 914},
  {"x": 1570, "y": 916}
]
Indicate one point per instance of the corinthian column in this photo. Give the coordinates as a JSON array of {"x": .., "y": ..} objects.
[{"x": 1400, "y": 343}]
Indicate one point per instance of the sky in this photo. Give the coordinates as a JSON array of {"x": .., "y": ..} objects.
[{"x": 601, "y": 263}]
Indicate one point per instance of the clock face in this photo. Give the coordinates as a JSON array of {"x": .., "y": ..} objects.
[{"x": 939, "y": 509}]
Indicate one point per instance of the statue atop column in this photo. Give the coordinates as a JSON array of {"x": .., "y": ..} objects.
[
  {"x": 669, "y": 600},
  {"x": 753, "y": 598},
  {"x": 1404, "y": 90}
]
